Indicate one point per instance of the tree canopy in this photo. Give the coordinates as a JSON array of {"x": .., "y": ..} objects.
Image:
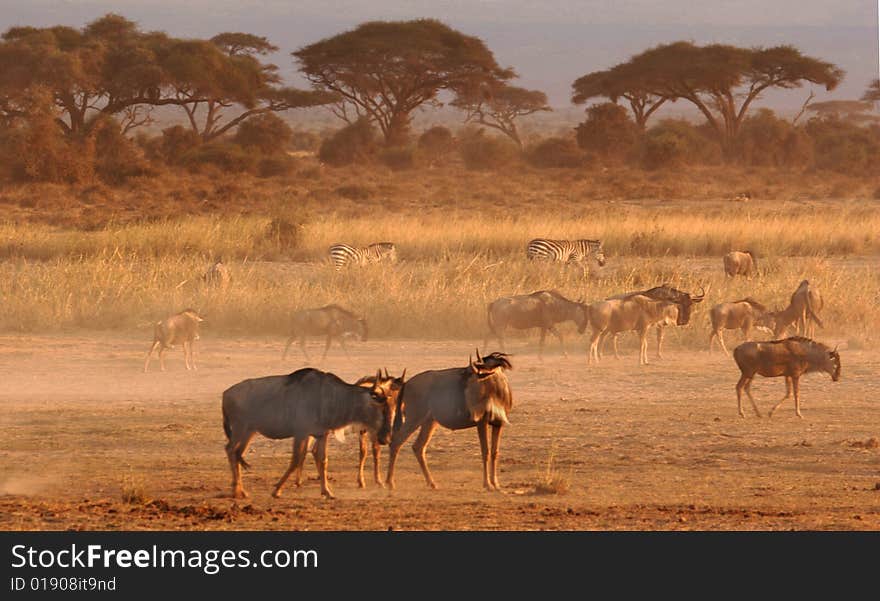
[
  {"x": 500, "y": 107},
  {"x": 384, "y": 70},
  {"x": 629, "y": 81}
]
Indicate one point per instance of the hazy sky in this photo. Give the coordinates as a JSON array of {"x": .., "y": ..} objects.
[{"x": 549, "y": 43}]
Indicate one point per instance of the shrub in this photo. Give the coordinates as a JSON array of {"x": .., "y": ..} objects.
[
  {"x": 436, "y": 144},
  {"x": 304, "y": 141},
  {"x": 674, "y": 142},
  {"x": 267, "y": 133},
  {"x": 479, "y": 151},
  {"x": 608, "y": 131},
  {"x": 556, "y": 152},
  {"x": 274, "y": 166},
  {"x": 228, "y": 157},
  {"x": 176, "y": 142},
  {"x": 844, "y": 147},
  {"x": 398, "y": 157},
  {"x": 355, "y": 143},
  {"x": 116, "y": 157}
]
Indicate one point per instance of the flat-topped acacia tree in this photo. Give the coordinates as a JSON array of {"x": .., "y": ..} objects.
[{"x": 386, "y": 69}]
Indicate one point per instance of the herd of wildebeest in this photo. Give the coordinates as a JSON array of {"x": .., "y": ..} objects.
[{"x": 310, "y": 405}]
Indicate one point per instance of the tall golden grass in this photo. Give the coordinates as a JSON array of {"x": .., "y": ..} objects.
[{"x": 127, "y": 278}]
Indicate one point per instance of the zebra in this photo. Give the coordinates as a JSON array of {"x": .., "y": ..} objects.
[
  {"x": 566, "y": 251},
  {"x": 344, "y": 254}
]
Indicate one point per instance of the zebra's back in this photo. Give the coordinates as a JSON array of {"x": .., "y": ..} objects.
[
  {"x": 565, "y": 250},
  {"x": 345, "y": 254}
]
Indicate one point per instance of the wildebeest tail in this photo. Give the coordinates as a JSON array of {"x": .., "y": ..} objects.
[{"x": 228, "y": 431}]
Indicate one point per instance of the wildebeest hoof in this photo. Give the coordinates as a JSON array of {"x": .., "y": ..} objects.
[
  {"x": 328, "y": 494},
  {"x": 276, "y": 493},
  {"x": 240, "y": 494}
]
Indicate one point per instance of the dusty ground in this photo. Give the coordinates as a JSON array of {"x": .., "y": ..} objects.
[{"x": 659, "y": 447}]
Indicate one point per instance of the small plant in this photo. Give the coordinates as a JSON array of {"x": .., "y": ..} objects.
[
  {"x": 133, "y": 490},
  {"x": 551, "y": 481}
]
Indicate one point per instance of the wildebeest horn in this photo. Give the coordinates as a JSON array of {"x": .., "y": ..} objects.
[
  {"x": 479, "y": 359},
  {"x": 403, "y": 375},
  {"x": 386, "y": 373},
  {"x": 378, "y": 375},
  {"x": 699, "y": 297}
]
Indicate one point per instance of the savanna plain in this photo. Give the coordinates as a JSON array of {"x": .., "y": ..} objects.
[{"x": 91, "y": 442}]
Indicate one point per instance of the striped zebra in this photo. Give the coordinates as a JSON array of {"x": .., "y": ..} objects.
[
  {"x": 566, "y": 251},
  {"x": 345, "y": 254}
]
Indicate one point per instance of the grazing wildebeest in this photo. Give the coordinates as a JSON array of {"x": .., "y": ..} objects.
[
  {"x": 331, "y": 321},
  {"x": 740, "y": 263},
  {"x": 217, "y": 275},
  {"x": 672, "y": 306},
  {"x": 791, "y": 357},
  {"x": 307, "y": 403},
  {"x": 180, "y": 328},
  {"x": 542, "y": 309},
  {"x": 369, "y": 437},
  {"x": 800, "y": 312},
  {"x": 739, "y": 315},
  {"x": 457, "y": 398}
]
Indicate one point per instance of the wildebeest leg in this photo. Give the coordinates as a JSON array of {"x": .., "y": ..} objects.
[
  {"x": 643, "y": 347},
  {"x": 192, "y": 355},
  {"x": 483, "y": 432},
  {"x": 614, "y": 344},
  {"x": 162, "y": 349},
  {"x": 344, "y": 348},
  {"x": 595, "y": 342},
  {"x": 553, "y": 330},
  {"x": 660, "y": 331},
  {"x": 796, "y": 384},
  {"x": 744, "y": 384},
  {"x": 300, "y": 449},
  {"x": 150, "y": 354},
  {"x": 397, "y": 441},
  {"x": 377, "y": 453},
  {"x": 419, "y": 448},
  {"x": 287, "y": 347},
  {"x": 751, "y": 398},
  {"x": 785, "y": 398},
  {"x": 721, "y": 341},
  {"x": 712, "y": 336},
  {"x": 235, "y": 449},
  {"x": 327, "y": 347},
  {"x": 321, "y": 459},
  {"x": 496, "y": 442},
  {"x": 186, "y": 354},
  {"x": 541, "y": 344},
  {"x": 362, "y": 459},
  {"x": 302, "y": 346}
]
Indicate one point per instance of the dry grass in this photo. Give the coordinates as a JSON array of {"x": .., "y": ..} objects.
[
  {"x": 133, "y": 490},
  {"x": 551, "y": 481}
]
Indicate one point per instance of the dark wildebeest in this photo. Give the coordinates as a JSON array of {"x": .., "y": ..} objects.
[
  {"x": 740, "y": 263},
  {"x": 181, "y": 328},
  {"x": 217, "y": 275},
  {"x": 738, "y": 315},
  {"x": 614, "y": 316},
  {"x": 542, "y": 309},
  {"x": 791, "y": 357},
  {"x": 369, "y": 437},
  {"x": 307, "y": 403},
  {"x": 457, "y": 398},
  {"x": 331, "y": 321}
]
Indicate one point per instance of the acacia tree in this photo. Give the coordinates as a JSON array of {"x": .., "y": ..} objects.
[
  {"x": 723, "y": 81},
  {"x": 500, "y": 106},
  {"x": 629, "y": 81},
  {"x": 106, "y": 69},
  {"x": 385, "y": 70},
  {"x": 210, "y": 76}
]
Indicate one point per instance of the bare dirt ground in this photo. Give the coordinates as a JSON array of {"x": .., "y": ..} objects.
[{"x": 657, "y": 447}]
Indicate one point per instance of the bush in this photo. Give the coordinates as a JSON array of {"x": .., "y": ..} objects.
[
  {"x": 267, "y": 133},
  {"x": 479, "y": 151},
  {"x": 116, "y": 157},
  {"x": 304, "y": 141},
  {"x": 556, "y": 152},
  {"x": 436, "y": 144},
  {"x": 608, "y": 132},
  {"x": 844, "y": 147},
  {"x": 762, "y": 139},
  {"x": 398, "y": 157},
  {"x": 355, "y": 143},
  {"x": 176, "y": 142},
  {"x": 275, "y": 165},
  {"x": 228, "y": 157},
  {"x": 675, "y": 142}
]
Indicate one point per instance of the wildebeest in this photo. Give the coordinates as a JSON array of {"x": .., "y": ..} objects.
[
  {"x": 307, "y": 403},
  {"x": 331, "y": 321},
  {"x": 740, "y": 263},
  {"x": 542, "y": 309},
  {"x": 182, "y": 328},
  {"x": 217, "y": 275},
  {"x": 739, "y": 315},
  {"x": 621, "y": 313},
  {"x": 791, "y": 357},
  {"x": 457, "y": 398},
  {"x": 369, "y": 437},
  {"x": 800, "y": 312}
]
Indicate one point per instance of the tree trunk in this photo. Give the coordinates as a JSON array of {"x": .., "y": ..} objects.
[{"x": 398, "y": 130}]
